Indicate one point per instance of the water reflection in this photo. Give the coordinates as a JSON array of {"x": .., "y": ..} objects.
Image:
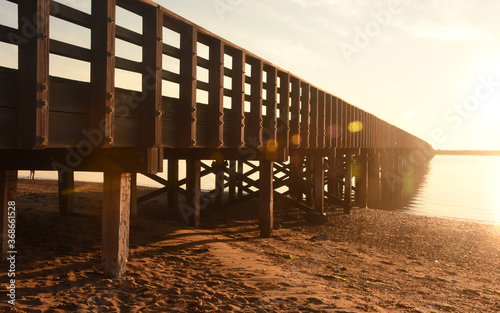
[{"x": 462, "y": 187}]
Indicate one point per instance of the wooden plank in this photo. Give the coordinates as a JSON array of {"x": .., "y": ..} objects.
[
  {"x": 70, "y": 51},
  {"x": 283, "y": 134},
  {"x": 8, "y": 129},
  {"x": 362, "y": 179},
  {"x": 8, "y": 200},
  {"x": 193, "y": 192},
  {"x": 102, "y": 78},
  {"x": 253, "y": 128},
  {"x": 216, "y": 94},
  {"x": 321, "y": 120},
  {"x": 128, "y": 35},
  {"x": 129, "y": 65},
  {"x": 313, "y": 119},
  {"x": 240, "y": 180},
  {"x": 266, "y": 193},
  {"x": 237, "y": 139},
  {"x": 294, "y": 112},
  {"x": 9, "y": 35},
  {"x": 70, "y": 14},
  {"x": 66, "y": 191},
  {"x": 115, "y": 223},
  {"x": 187, "y": 109},
  {"x": 304, "y": 115},
  {"x": 33, "y": 106},
  {"x": 319, "y": 184},
  {"x": 151, "y": 125}
]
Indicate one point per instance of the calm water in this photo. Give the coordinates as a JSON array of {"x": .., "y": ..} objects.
[{"x": 462, "y": 187}]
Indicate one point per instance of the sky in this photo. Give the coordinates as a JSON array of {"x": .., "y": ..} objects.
[{"x": 430, "y": 67}]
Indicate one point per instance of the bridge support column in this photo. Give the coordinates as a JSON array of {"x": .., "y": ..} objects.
[
  {"x": 362, "y": 179},
  {"x": 348, "y": 183},
  {"x": 240, "y": 180},
  {"x": 232, "y": 180},
  {"x": 309, "y": 192},
  {"x": 115, "y": 223},
  {"x": 133, "y": 195},
  {"x": 193, "y": 191},
  {"x": 389, "y": 178},
  {"x": 173, "y": 183},
  {"x": 374, "y": 180},
  {"x": 266, "y": 196},
  {"x": 319, "y": 184},
  {"x": 295, "y": 176},
  {"x": 219, "y": 185},
  {"x": 66, "y": 191},
  {"x": 8, "y": 197}
]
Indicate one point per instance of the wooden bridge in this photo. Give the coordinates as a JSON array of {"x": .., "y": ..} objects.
[{"x": 250, "y": 117}]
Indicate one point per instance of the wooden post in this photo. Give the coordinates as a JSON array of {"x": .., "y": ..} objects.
[
  {"x": 319, "y": 184},
  {"x": 8, "y": 193},
  {"x": 173, "y": 183},
  {"x": 295, "y": 176},
  {"x": 66, "y": 191},
  {"x": 310, "y": 178},
  {"x": 133, "y": 195},
  {"x": 193, "y": 191},
  {"x": 219, "y": 185},
  {"x": 266, "y": 191},
  {"x": 102, "y": 80},
  {"x": 362, "y": 183},
  {"x": 348, "y": 183},
  {"x": 33, "y": 104},
  {"x": 151, "y": 107},
  {"x": 232, "y": 180},
  {"x": 374, "y": 180},
  {"x": 240, "y": 180},
  {"x": 115, "y": 223}
]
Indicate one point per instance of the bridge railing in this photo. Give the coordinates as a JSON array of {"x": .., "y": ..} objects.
[{"x": 197, "y": 90}]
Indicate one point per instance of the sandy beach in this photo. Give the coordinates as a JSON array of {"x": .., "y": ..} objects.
[{"x": 369, "y": 261}]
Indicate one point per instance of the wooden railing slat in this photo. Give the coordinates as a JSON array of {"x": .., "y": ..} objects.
[
  {"x": 33, "y": 106},
  {"x": 103, "y": 69}
]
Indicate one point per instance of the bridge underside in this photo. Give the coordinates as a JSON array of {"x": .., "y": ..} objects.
[{"x": 268, "y": 133}]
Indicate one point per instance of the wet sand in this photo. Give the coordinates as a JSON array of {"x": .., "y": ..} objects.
[{"x": 369, "y": 261}]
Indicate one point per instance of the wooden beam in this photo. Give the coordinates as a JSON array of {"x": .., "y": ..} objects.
[
  {"x": 232, "y": 180},
  {"x": 284, "y": 109},
  {"x": 151, "y": 106},
  {"x": 348, "y": 183},
  {"x": 173, "y": 183},
  {"x": 240, "y": 181},
  {"x": 313, "y": 119},
  {"x": 304, "y": 115},
  {"x": 216, "y": 94},
  {"x": 254, "y": 124},
  {"x": 193, "y": 192},
  {"x": 219, "y": 185},
  {"x": 33, "y": 104},
  {"x": 188, "y": 82},
  {"x": 319, "y": 184},
  {"x": 8, "y": 197},
  {"x": 66, "y": 191},
  {"x": 271, "y": 105},
  {"x": 238, "y": 100},
  {"x": 115, "y": 223},
  {"x": 266, "y": 192},
  {"x": 294, "y": 112},
  {"x": 362, "y": 179},
  {"x": 102, "y": 70},
  {"x": 321, "y": 120}
]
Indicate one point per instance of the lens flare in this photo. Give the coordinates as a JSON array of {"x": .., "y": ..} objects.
[
  {"x": 355, "y": 126},
  {"x": 272, "y": 145},
  {"x": 296, "y": 139}
]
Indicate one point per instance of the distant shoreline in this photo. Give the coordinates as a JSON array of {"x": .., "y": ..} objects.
[{"x": 468, "y": 152}]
